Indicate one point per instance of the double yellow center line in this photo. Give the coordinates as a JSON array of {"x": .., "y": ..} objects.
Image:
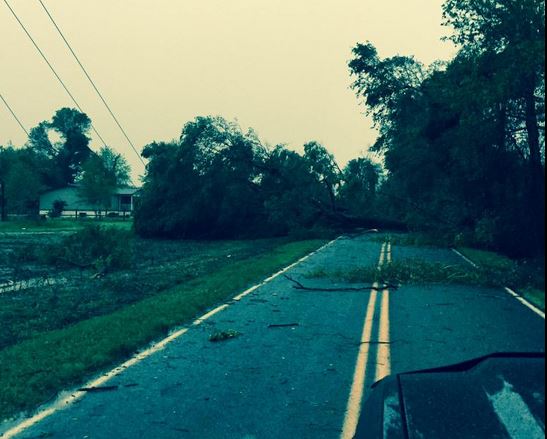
[{"x": 383, "y": 353}]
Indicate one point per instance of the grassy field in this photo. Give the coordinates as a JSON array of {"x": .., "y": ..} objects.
[
  {"x": 156, "y": 267},
  {"x": 58, "y": 336}
]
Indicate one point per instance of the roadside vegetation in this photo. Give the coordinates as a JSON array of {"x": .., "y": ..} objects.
[
  {"x": 54, "y": 337},
  {"x": 459, "y": 161},
  {"x": 460, "y": 152},
  {"x": 102, "y": 271},
  {"x": 412, "y": 272},
  {"x": 526, "y": 276}
]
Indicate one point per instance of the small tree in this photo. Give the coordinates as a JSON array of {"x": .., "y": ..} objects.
[{"x": 101, "y": 174}]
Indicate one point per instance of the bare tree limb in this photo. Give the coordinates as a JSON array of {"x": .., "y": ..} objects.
[{"x": 299, "y": 286}]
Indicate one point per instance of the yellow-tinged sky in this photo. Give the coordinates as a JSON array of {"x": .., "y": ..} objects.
[{"x": 279, "y": 66}]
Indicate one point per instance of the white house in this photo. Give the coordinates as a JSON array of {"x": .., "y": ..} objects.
[{"x": 122, "y": 202}]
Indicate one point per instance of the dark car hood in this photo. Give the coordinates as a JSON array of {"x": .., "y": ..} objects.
[{"x": 499, "y": 396}]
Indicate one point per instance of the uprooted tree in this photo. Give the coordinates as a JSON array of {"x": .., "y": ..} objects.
[{"x": 218, "y": 181}]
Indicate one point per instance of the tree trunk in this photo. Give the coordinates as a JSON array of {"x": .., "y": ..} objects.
[
  {"x": 332, "y": 196},
  {"x": 532, "y": 128},
  {"x": 502, "y": 127},
  {"x": 537, "y": 172}
]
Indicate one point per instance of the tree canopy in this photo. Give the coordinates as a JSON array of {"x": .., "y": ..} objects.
[
  {"x": 464, "y": 141},
  {"x": 66, "y": 157},
  {"x": 101, "y": 175},
  {"x": 218, "y": 181},
  {"x": 43, "y": 164},
  {"x": 461, "y": 147}
]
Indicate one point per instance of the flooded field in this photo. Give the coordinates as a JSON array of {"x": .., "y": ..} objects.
[{"x": 37, "y": 297}]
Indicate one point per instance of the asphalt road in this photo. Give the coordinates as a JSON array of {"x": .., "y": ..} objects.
[{"x": 292, "y": 372}]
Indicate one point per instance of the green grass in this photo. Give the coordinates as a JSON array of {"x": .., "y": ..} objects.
[
  {"x": 33, "y": 371},
  {"x": 527, "y": 276},
  {"x": 60, "y": 225},
  {"x": 487, "y": 259},
  {"x": 534, "y": 296}
]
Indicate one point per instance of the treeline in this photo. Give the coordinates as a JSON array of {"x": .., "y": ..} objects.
[
  {"x": 45, "y": 164},
  {"x": 217, "y": 181},
  {"x": 463, "y": 145},
  {"x": 464, "y": 142}
]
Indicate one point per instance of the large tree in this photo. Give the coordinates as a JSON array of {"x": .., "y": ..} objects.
[
  {"x": 218, "y": 181},
  {"x": 293, "y": 196},
  {"x": 207, "y": 181},
  {"x": 20, "y": 189},
  {"x": 511, "y": 36},
  {"x": 463, "y": 142},
  {"x": 64, "y": 158}
]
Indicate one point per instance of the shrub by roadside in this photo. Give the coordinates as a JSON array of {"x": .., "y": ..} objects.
[{"x": 94, "y": 247}]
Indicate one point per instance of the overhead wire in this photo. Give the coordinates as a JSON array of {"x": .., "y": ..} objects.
[
  {"x": 116, "y": 120},
  {"x": 13, "y": 114},
  {"x": 52, "y": 68}
]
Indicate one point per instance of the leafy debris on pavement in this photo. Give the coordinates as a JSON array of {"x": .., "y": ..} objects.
[{"x": 224, "y": 336}]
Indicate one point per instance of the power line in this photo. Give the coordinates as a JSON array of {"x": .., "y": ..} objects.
[
  {"x": 14, "y": 115},
  {"x": 51, "y": 67},
  {"x": 92, "y": 82}
]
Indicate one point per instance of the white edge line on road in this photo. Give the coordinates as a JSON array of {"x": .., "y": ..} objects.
[
  {"x": 68, "y": 398},
  {"x": 509, "y": 290},
  {"x": 526, "y": 303},
  {"x": 465, "y": 258}
]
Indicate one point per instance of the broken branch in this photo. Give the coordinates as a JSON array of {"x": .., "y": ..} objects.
[
  {"x": 98, "y": 389},
  {"x": 299, "y": 286}
]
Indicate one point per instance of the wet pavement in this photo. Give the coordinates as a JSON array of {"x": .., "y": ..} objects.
[{"x": 290, "y": 371}]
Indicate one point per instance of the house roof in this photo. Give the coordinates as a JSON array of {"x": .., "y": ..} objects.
[{"x": 126, "y": 191}]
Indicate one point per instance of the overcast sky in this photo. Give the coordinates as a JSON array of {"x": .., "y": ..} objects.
[{"x": 279, "y": 66}]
